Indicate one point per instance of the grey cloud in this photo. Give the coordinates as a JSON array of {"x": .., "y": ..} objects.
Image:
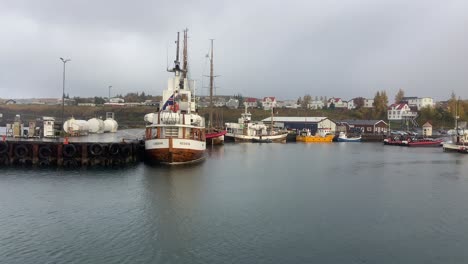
[{"x": 262, "y": 48}]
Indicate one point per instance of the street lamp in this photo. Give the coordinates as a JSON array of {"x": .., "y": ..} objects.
[{"x": 63, "y": 87}]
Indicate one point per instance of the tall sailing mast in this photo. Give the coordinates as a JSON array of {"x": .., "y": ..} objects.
[
  {"x": 176, "y": 68},
  {"x": 185, "y": 60},
  {"x": 211, "y": 87}
]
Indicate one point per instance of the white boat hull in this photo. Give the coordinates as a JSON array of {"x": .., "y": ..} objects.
[{"x": 245, "y": 138}]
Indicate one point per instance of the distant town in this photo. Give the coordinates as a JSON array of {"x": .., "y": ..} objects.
[{"x": 403, "y": 108}]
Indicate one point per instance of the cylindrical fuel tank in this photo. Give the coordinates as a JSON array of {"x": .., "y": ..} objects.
[
  {"x": 96, "y": 125},
  {"x": 76, "y": 126},
  {"x": 110, "y": 125}
]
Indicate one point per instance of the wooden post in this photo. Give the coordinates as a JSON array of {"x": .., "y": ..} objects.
[
  {"x": 59, "y": 155},
  {"x": 84, "y": 154},
  {"x": 35, "y": 153}
]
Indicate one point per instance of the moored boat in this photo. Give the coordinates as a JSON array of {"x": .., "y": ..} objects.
[
  {"x": 306, "y": 136},
  {"x": 342, "y": 137},
  {"x": 459, "y": 142},
  {"x": 393, "y": 141},
  {"x": 176, "y": 134},
  {"x": 214, "y": 136},
  {"x": 245, "y": 130},
  {"x": 425, "y": 142},
  {"x": 261, "y": 140}
]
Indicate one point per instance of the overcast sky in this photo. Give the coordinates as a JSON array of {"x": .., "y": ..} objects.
[{"x": 342, "y": 48}]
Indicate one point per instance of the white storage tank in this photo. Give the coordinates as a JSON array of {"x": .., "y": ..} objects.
[
  {"x": 110, "y": 125},
  {"x": 76, "y": 127},
  {"x": 96, "y": 125}
]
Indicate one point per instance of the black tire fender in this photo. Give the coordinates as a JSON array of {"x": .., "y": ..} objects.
[
  {"x": 125, "y": 150},
  {"x": 69, "y": 150},
  {"x": 21, "y": 151},
  {"x": 45, "y": 152},
  {"x": 96, "y": 149},
  {"x": 114, "y": 149}
]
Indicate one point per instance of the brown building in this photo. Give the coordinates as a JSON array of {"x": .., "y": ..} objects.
[{"x": 362, "y": 126}]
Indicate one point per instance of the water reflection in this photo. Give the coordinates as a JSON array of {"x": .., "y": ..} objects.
[{"x": 247, "y": 203}]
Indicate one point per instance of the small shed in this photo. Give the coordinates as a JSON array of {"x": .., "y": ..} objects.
[{"x": 427, "y": 129}]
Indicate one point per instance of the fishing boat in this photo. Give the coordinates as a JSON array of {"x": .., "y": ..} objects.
[
  {"x": 214, "y": 135},
  {"x": 459, "y": 135},
  {"x": 342, "y": 137},
  {"x": 306, "y": 136},
  {"x": 246, "y": 131},
  {"x": 459, "y": 142},
  {"x": 176, "y": 133}
]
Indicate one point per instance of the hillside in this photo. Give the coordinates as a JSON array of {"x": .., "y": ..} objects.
[{"x": 133, "y": 116}]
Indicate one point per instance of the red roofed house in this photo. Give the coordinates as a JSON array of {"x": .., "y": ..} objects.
[
  {"x": 337, "y": 102},
  {"x": 400, "y": 111},
  {"x": 269, "y": 102},
  {"x": 250, "y": 102}
]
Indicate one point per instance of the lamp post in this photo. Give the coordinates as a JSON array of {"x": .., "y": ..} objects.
[
  {"x": 110, "y": 86},
  {"x": 63, "y": 87}
]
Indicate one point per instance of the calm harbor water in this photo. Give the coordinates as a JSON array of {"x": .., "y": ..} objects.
[{"x": 247, "y": 203}]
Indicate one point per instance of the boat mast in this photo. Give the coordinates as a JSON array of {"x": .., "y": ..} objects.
[
  {"x": 211, "y": 86},
  {"x": 271, "y": 123},
  {"x": 185, "y": 60},
  {"x": 176, "y": 68}
]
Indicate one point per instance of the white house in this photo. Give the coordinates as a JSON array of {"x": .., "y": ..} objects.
[
  {"x": 419, "y": 102},
  {"x": 367, "y": 103},
  {"x": 400, "y": 111},
  {"x": 232, "y": 103},
  {"x": 287, "y": 104},
  {"x": 250, "y": 102},
  {"x": 219, "y": 102},
  {"x": 337, "y": 102},
  {"x": 269, "y": 102},
  {"x": 316, "y": 104}
]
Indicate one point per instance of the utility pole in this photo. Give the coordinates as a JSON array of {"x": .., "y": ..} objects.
[{"x": 110, "y": 86}]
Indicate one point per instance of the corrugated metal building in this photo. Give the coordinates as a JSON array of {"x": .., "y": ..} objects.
[{"x": 324, "y": 124}]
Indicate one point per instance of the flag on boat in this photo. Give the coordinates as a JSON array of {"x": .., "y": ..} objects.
[{"x": 170, "y": 101}]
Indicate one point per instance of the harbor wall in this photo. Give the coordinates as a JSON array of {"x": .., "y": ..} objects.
[{"x": 76, "y": 154}]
